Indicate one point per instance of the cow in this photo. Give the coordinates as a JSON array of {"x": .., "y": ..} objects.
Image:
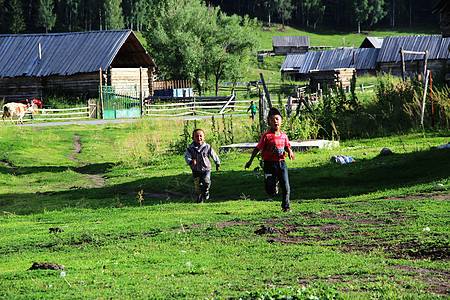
[{"x": 13, "y": 109}]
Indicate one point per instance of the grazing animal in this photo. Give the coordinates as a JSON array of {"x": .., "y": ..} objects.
[{"x": 11, "y": 110}]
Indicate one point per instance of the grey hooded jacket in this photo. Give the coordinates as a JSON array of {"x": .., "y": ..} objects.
[{"x": 202, "y": 155}]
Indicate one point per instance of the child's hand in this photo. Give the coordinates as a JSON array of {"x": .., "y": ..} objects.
[
  {"x": 248, "y": 164},
  {"x": 193, "y": 162},
  {"x": 217, "y": 168},
  {"x": 290, "y": 154}
]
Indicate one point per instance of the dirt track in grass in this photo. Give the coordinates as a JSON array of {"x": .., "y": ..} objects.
[
  {"x": 348, "y": 231},
  {"x": 96, "y": 179}
]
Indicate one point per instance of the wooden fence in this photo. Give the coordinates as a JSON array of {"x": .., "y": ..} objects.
[
  {"x": 64, "y": 114},
  {"x": 161, "y": 107}
]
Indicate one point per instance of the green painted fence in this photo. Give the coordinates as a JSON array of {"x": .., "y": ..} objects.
[{"x": 121, "y": 103}]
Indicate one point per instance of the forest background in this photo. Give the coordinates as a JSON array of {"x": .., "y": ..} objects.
[{"x": 37, "y": 16}]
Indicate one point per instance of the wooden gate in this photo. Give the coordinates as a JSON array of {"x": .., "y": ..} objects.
[{"x": 121, "y": 102}]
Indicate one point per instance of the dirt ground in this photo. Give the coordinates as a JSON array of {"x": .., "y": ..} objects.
[{"x": 289, "y": 231}]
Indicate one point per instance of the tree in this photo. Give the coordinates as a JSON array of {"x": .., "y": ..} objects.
[
  {"x": 362, "y": 10},
  {"x": 141, "y": 7},
  {"x": 113, "y": 15},
  {"x": 313, "y": 10},
  {"x": 284, "y": 9},
  {"x": 190, "y": 40},
  {"x": 46, "y": 18},
  {"x": 378, "y": 11},
  {"x": 17, "y": 23}
]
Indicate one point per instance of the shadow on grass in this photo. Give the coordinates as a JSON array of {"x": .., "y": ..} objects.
[
  {"x": 88, "y": 169},
  {"x": 328, "y": 181}
]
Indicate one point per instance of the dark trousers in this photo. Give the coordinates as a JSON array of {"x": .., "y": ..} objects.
[
  {"x": 202, "y": 182},
  {"x": 277, "y": 171}
]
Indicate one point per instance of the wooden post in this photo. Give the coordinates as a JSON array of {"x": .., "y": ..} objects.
[
  {"x": 424, "y": 96},
  {"x": 266, "y": 90},
  {"x": 425, "y": 59},
  {"x": 101, "y": 93},
  {"x": 431, "y": 96},
  {"x": 141, "y": 92},
  {"x": 403, "y": 63},
  {"x": 289, "y": 106}
]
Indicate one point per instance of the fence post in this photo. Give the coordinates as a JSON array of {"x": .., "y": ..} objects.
[
  {"x": 101, "y": 94},
  {"x": 289, "y": 106},
  {"x": 402, "y": 57},
  {"x": 424, "y": 96},
  {"x": 141, "y": 98}
]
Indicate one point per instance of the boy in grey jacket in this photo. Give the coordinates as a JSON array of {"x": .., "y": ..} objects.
[{"x": 197, "y": 157}]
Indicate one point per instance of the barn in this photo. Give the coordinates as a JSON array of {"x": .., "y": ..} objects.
[
  {"x": 283, "y": 45},
  {"x": 298, "y": 66},
  {"x": 72, "y": 63},
  {"x": 389, "y": 59}
]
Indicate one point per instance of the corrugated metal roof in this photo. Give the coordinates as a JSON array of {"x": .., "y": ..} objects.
[
  {"x": 293, "y": 61},
  {"x": 69, "y": 53},
  {"x": 310, "y": 63},
  {"x": 359, "y": 58},
  {"x": 290, "y": 41},
  {"x": 436, "y": 45}
]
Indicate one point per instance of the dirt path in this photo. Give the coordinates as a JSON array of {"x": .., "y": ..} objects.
[{"x": 97, "y": 179}]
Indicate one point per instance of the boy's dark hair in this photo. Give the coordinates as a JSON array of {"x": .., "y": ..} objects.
[
  {"x": 273, "y": 112},
  {"x": 195, "y": 130}
]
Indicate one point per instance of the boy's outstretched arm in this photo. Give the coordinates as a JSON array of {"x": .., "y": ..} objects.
[
  {"x": 254, "y": 153},
  {"x": 215, "y": 158},
  {"x": 290, "y": 153}
]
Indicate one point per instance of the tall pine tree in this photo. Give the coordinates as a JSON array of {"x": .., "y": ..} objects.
[
  {"x": 46, "y": 18},
  {"x": 113, "y": 15},
  {"x": 16, "y": 20}
]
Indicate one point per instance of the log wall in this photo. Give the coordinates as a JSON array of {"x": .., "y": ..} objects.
[
  {"x": 18, "y": 88},
  {"x": 127, "y": 77},
  {"x": 331, "y": 77},
  {"x": 416, "y": 67}
]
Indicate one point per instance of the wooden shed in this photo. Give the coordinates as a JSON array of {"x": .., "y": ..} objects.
[
  {"x": 298, "y": 66},
  {"x": 74, "y": 62},
  {"x": 283, "y": 45},
  {"x": 331, "y": 78},
  {"x": 438, "y": 57}
]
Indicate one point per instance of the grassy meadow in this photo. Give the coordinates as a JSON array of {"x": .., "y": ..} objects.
[{"x": 377, "y": 228}]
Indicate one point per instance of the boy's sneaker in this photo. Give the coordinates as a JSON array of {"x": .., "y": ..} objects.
[{"x": 286, "y": 209}]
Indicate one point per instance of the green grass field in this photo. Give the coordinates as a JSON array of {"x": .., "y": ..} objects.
[{"x": 357, "y": 231}]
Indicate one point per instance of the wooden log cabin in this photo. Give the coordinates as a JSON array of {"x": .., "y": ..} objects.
[
  {"x": 438, "y": 55},
  {"x": 32, "y": 65}
]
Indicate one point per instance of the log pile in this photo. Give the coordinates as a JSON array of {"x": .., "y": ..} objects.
[{"x": 331, "y": 78}]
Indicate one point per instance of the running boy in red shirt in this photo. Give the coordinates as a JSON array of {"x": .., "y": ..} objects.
[{"x": 274, "y": 145}]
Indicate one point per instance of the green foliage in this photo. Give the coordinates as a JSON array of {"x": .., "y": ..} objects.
[
  {"x": 16, "y": 19},
  {"x": 192, "y": 41},
  {"x": 113, "y": 14},
  {"x": 301, "y": 127},
  {"x": 398, "y": 104},
  {"x": 180, "y": 145},
  {"x": 336, "y": 113},
  {"x": 55, "y": 98},
  {"x": 45, "y": 17}
]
